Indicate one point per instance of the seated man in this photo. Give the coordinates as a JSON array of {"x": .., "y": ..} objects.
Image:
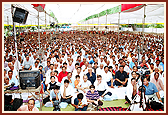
[
  {"x": 29, "y": 107},
  {"x": 159, "y": 84},
  {"x": 84, "y": 85},
  {"x": 12, "y": 79},
  {"x": 93, "y": 97},
  {"x": 151, "y": 90},
  {"x": 67, "y": 92},
  {"x": 121, "y": 77},
  {"x": 80, "y": 103},
  {"x": 135, "y": 103},
  {"x": 102, "y": 87},
  {"x": 107, "y": 76},
  {"x": 91, "y": 76},
  {"x": 69, "y": 77},
  {"x": 131, "y": 91},
  {"x": 55, "y": 94}
]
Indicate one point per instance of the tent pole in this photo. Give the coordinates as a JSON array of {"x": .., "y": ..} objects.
[
  {"x": 156, "y": 28},
  {"x": 45, "y": 20},
  {"x": 15, "y": 40},
  {"x": 98, "y": 22},
  {"x": 143, "y": 28},
  {"x": 106, "y": 27},
  {"x": 39, "y": 34},
  {"x": 8, "y": 25},
  {"x": 118, "y": 26},
  {"x": 98, "y": 25}
]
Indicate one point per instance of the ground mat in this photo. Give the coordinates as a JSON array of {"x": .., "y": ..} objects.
[{"x": 123, "y": 109}]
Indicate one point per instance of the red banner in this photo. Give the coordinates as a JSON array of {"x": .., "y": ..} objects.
[
  {"x": 130, "y": 7},
  {"x": 41, "y": 7}
]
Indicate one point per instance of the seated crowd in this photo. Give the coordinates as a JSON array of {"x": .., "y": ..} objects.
[{"x": 81, "y": 68}]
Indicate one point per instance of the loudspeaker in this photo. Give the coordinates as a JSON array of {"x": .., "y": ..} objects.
[
  {"x": 20, "y": 15},
  {"x": 30, "y": 78},
  {"x": 52, "y": 24}
]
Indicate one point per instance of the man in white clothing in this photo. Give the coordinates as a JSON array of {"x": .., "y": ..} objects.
[
  {"x": 100, "y": 70},
  {"x": 102, "y": 87},
  {"x": 84, "y": 85},
  {"x": 79, "y": 72},
  {"x": 67, "y": 92},
  {"x": 107, "y": 77},
  {"x": 131, "y": 91}
]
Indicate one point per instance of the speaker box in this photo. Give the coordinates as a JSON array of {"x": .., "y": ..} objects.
[
  {"x": 30, "y": 78},
  {"x": 20, "y": 15}
]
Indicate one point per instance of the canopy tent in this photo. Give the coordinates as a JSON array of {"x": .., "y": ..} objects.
[
  {"x": 82, "y": 13},
  {"x": 154, "y": 14},
  {"x": 47, "y": 15}
]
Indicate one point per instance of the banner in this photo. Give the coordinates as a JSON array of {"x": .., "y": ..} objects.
[
  {"x": 102, "y": 13},
  {"x": 41, "y": 7},
  {"x": 130, "y": 7},
  {"x": 113, "y": 10}
]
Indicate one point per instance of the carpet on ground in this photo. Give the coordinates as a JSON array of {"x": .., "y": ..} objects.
[{"x": 123, "y": 109}]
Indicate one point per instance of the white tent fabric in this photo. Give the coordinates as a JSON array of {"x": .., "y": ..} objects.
[
  {"x": 32, "y": 16},
  {"x": 154, "y": 14},
  {"x": 73, "y": 13}
]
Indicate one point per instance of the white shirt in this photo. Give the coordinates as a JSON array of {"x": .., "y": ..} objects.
[
  {"x": 69, "y": 90},
  {"x": 83, "y": 84},
  {"x": 99, "y": 71},
  {"x": 160, "y": 67},
  {"x": 127, "y": 69},
  {"x": 34, "y": 68},
  {"x": 130, "y": 91},
  {"x": 48, "y": 76},
  {"x": 102, "y": 86},
  {"x": 53, "y": 60},
  {"x": 106, "y": 76},
  {"x": 135, "y": 107}
]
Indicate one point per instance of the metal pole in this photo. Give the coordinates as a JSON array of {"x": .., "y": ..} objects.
[
  {"x": 8, "y": 25},
  {"x": 118, "y": 26},
  {"x": 98, "y": 22},
  {"x": 15, "y": 40},
  {"x": 106, "y": 27},
  {"x": 45, "y": 20},
  {"x": 39, "y": 34},
  {"x": 156, "y": 28},
  {"x": 143, "y": 28}
]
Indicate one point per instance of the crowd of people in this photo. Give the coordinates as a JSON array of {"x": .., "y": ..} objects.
[{"x": 81, "y": 67}]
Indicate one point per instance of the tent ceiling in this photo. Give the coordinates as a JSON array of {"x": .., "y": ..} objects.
[{"x": 73, "y": 13}]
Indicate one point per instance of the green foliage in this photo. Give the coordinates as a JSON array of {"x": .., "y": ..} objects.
[{"x": 145, "y": 26}]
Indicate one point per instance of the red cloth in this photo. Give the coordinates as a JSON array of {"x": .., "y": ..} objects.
[
  {"x": 133, "y": 7},
  {"x": 61, "y": 75},
  {"x": 143, "y": 65},
  {"x": 41, "y": 91},
  {"x": 81, "y": 64}
]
